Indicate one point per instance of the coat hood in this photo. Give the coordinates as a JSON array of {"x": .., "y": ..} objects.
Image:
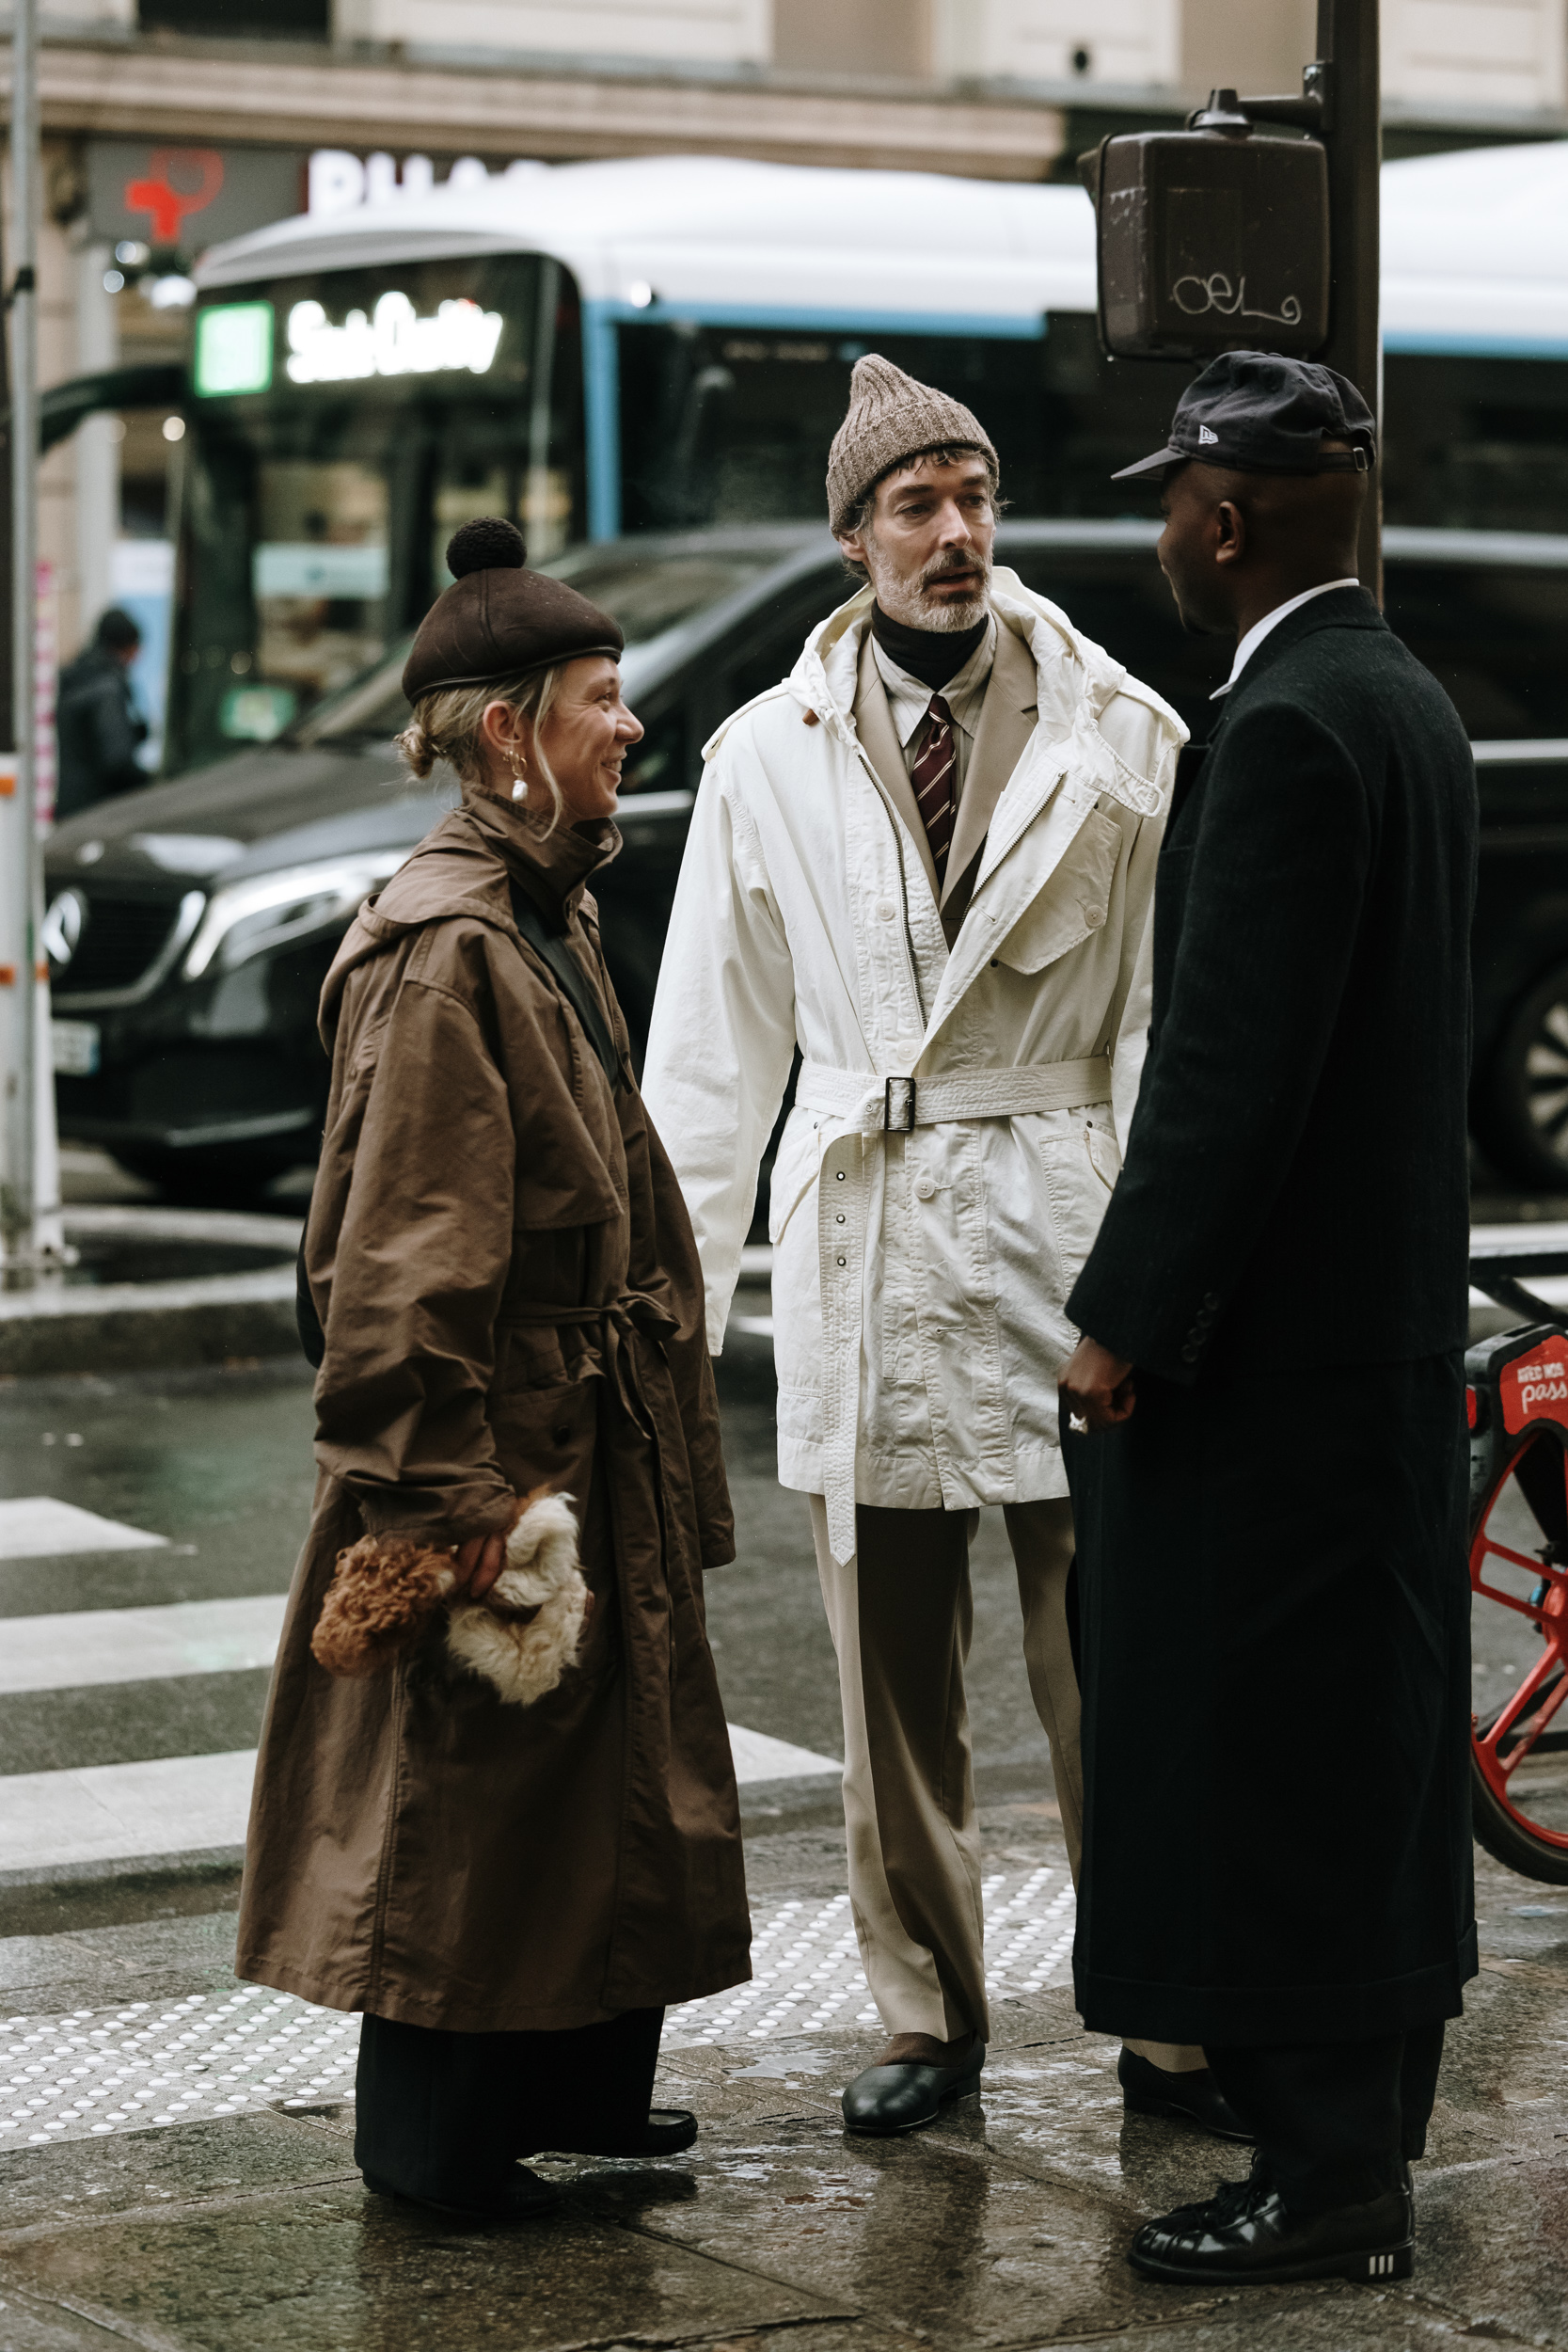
[
  {"x": 1082, "y": 677},
  {"x": 465, "y": 869}
]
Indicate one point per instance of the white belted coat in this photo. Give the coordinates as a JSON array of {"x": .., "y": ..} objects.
[{"x": 955, "y": 1129}]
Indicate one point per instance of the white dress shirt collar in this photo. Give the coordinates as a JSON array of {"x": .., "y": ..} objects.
[
  {"x": 1259, "y": 629},
  {"x": 909, "y": 700}
]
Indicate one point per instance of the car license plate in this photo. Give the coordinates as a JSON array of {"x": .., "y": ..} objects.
[{"x": 76, "y": 1045}]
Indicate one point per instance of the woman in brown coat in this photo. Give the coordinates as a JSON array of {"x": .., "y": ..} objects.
[{"x": 506, "y": 1280}]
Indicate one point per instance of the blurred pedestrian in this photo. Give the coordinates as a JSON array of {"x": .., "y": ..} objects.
[
  {"x": 99, "y": 728},
  {"x": 1275, "y": 1609},
  {"x": 927, "y": 858},
  {"x": 509, "y": 1298}
]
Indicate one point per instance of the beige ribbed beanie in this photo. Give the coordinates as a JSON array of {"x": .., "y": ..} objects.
[{"x": 890, "y": 418}]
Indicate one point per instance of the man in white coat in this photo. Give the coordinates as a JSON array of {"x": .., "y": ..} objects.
[{"x": 927, "y": 859}]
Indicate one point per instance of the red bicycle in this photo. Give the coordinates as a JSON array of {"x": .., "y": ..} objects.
[{"x": 1517, "y": 1404}]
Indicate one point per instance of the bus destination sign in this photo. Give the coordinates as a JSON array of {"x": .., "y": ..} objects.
[{"x": 234, "y": 343}]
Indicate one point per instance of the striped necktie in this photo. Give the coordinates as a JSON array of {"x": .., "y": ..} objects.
[{"x": 933, "y": 776}]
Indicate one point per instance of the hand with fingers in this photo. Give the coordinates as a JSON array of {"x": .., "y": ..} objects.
[{"x": 1097, "y": 1388}]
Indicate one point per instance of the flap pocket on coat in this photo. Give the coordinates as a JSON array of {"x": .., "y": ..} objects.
[
  {"x": 1081, "y": 1167},
  {"x": 795, "y": 1172},
  {"x": 1073, "y": 904}
]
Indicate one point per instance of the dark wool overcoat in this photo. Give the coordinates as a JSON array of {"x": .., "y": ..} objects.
[
  {"x": 1274, "y": 1604},
  {"x": 506, "y": 1278}
]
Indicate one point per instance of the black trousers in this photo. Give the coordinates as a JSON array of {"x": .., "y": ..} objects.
[
  {"x": 447, "y": 2115},
  {"x": 1334, "y": 2121}
]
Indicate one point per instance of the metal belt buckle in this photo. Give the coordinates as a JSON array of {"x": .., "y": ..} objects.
[{"x": 904, "y": 1126}]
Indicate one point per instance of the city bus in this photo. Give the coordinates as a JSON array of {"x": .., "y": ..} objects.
[{"x": 662, "y": 344}]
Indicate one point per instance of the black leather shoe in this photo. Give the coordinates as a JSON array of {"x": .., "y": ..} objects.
[
  {"x": 524, "y": 2199},
  {"x": 667, "y": 2131},
  {"x": 1246, "y": 2236},
  {"x": 1195, "y": 2097},
  {"x": 887, "y": 2099}
]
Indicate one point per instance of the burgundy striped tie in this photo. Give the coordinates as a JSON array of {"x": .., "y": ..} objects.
[{"x": 933, "y": 776}]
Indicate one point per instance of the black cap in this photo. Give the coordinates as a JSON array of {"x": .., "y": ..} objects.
[{"x": 1257, "y": 412}]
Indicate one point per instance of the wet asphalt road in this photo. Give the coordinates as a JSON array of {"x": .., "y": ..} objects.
[{"x": 219, "y": 1463}]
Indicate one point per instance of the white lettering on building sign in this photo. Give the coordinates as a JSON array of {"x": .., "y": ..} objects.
[
  {"x": 339, "y": 182},
  {"x": 393, "y": 341}
]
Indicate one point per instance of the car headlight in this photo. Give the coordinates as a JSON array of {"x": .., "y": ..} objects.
[{"x": 249, "y": 918}]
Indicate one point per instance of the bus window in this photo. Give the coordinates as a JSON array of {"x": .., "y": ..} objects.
[
  {"x": 319, "y": 576},
  {"x": 733, "y": 425},
  {"x": 343, "y": 424}
]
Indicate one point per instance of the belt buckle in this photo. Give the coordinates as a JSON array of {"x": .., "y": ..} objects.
[{"x": 905, "y": 1126}]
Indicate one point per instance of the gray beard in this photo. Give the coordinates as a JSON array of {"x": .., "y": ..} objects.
[{"x": 906, "y": 604}]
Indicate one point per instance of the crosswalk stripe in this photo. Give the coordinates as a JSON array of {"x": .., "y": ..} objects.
[
  {"x": 119, "y": 1812},
  {"x": 32, "y": 1527},
  {"x": 100, "y": 1646},
  {"x": 757, "y": 1757},
  {"x": 183, "y": 1804}
]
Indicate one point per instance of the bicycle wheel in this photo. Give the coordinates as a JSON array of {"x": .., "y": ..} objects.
[{"x": 1519, "y": 1632}]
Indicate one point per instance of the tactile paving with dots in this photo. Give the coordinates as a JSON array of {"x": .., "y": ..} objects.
[{"x": 97, "y": 2071}]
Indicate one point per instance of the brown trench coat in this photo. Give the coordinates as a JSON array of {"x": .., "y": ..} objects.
[{"x": 417, "y": 1847}]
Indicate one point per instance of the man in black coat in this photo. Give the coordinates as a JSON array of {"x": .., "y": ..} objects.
[
  {"x": 1265, "y": 1412},
  {"x": 97, "y": 725}
]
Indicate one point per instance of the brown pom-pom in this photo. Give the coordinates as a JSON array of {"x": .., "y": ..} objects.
[
  {"x": 383, "y": 1594},
  {"x": 488, "y": 544}
]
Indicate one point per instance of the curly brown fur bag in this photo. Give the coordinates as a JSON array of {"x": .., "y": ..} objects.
[{"x": 521, "y": 1637}]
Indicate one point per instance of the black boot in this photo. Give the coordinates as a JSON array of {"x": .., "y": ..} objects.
[
  {"x": 524, "y": 2197},
  {"x": 666, "y": 2132}
]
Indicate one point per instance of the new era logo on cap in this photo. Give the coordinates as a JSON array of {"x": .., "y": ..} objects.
[{"x": 1277, "y": 413}]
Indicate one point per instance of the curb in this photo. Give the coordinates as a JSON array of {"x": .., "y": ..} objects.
[{"x": 123, "y": 1327}]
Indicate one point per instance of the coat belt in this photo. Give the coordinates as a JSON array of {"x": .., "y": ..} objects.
[
  {"x": 896, "y": 1105},
  {"x": 616, "y": 1320},
  {"x": 865, "y": 1108}
]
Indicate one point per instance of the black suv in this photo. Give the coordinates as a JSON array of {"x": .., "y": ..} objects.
[{"x": 189, "y": 926}]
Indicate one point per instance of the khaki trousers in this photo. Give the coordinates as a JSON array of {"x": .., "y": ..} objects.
[{"x": 901, "y": 1614}]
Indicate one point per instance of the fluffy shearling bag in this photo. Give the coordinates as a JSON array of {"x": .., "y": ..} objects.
[{"x": 521, "y": 1637}]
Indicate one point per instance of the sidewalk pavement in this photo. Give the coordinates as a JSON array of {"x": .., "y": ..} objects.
[{"x": 1005, "y": 2224}]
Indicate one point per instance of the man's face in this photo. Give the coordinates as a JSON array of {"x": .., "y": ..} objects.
[
  {"x": 928, "y": 546},
  {"x": 1196, "y": 548}
]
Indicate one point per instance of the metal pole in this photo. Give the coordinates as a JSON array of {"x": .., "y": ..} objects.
[
  {"x": 19, "y": 876},
  {"x": 1348, "y": 41}
]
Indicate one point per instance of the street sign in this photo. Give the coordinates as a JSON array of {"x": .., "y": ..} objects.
[{"x": 1209, "y": 241}]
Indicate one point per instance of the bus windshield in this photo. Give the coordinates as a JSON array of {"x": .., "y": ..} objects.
[{"x": 343, "y": 425}]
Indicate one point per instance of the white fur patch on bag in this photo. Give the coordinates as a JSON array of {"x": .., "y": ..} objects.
[{"x": 523, "y": 1657}]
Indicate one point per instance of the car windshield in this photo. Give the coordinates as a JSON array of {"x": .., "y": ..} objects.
[{"x": 649, "y": 594}]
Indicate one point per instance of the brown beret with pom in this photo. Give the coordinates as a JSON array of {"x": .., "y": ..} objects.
[{"x": 499, "y": 619}]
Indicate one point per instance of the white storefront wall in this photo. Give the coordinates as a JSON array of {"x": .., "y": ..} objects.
[
  {"x": 712, "y": 32},
  {"x": 1135, "y": 41},
  {"x": 1477, "y": 55}
]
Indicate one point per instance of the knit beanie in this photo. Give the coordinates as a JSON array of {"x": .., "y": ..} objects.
[{"x": 891, "y": 419}]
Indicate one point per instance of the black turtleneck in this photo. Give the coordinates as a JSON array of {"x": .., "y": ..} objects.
[{"x": 932, "y": 655}]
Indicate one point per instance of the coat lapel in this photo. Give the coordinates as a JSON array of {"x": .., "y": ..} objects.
[
  {"x": 1007, "y": 718},
  {"x": 874, "y": 726}
]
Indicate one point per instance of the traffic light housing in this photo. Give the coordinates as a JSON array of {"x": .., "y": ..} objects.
[{"x": 1211, "y": 239}]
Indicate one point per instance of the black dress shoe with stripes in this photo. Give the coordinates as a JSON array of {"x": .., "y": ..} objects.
[
  {"x": 1247, "y": 2236},
  {"x": 1194, "y": 2097}
]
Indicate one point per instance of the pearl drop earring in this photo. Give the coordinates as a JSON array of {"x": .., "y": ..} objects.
[{"x": 521, "y": 786}]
